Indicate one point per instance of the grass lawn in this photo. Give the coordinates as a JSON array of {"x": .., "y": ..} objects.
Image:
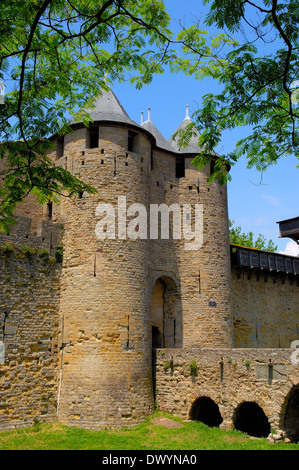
[{"x": 158, "y": 432}]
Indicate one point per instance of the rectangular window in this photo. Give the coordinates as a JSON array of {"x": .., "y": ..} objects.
[
  {"x": 60, "y": 147},
  {"x": 212, "y": 166},
  {"x": 50, "y": 210},
  {"x": 180, "y": 168},
  {"x": 131, "y": 138},
  {"x": 93, "y": 137}
]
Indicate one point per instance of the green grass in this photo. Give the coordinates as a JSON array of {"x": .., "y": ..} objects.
[{"x": 159, "y": 432}]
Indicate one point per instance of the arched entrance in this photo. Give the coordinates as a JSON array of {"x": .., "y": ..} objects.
[
  {"x": 291, "y": 415},
  {"x": 204, "y": 409},
  {"x": 250, "y": 418},
  {"x": 165, "y": 315}
]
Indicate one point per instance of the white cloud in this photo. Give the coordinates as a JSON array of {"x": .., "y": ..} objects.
[{"x": 291, "y": 249}]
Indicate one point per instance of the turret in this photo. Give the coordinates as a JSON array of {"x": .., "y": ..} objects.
[{"x": 106, "y": 375}]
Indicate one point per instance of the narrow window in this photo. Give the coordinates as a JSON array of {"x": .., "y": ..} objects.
[
  {"x": 180, "y": 168},
  {"x": 131, "y": 138},
  {"x": 60, "y": 147},
  {"x": 128, "y": 330},
  {"x": 212, "y": 166},
  {"x": 50, "y": 209},
  {"x": 93, "y": 137},
  {"x": 3, "y": 317}
]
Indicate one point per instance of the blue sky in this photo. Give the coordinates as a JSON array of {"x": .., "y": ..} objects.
[{"x": 253, "y": 205}]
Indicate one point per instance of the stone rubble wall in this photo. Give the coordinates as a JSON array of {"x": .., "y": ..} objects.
[
  {"x": 227, "y": 376},
  {"x": 48, "y": 235},
  {"x": 29, "y": 293}
]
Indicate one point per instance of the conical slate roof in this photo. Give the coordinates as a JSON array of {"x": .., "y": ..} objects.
[
  {"x": 108, "y": 108},
  {"x": 160, "y": 140},
  {"x": 193, "y": 144}
]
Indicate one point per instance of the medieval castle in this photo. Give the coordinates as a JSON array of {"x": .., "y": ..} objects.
[{"x": 125, "y": 323}]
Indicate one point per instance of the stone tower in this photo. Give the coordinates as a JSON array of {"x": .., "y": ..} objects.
[{"x": 133, "y": 290}]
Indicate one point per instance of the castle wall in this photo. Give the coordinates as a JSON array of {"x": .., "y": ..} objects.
[
  {"x": 265, "y": 310},
  {"x": 229, "y": 377},
  {"x": 46, "y": 235},
  {"x": 84, "y": 335},
  {"x": 29, "y": 292},
  {"x": 28, "y": 208}
]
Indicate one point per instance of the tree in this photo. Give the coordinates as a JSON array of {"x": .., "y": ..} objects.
[
  {"x": 259, "y": 78},
  {"x": 60, "y": 54},
  {"x": 237, "y": 237}
]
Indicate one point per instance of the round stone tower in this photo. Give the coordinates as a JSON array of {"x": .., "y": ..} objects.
[
  {"x": 196, "y": 272},
  {"x": 205, "y": 273},
  {"x": 106, "y": 376},
  {"x": 126, "y": 288}
]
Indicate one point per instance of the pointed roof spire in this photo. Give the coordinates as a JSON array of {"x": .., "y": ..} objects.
[
  {"x": 150, "y": 127},
  {"x": 187, "y": 112},
  {"x": 192, "y": 146},
  {"x": 141, "y": 117},
  {"x": 107, "y": 108}
]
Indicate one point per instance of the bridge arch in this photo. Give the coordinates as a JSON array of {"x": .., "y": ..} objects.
[
  {"x": 290, "y": 415},
  {"x": 204, "y": 409},
  {"x": 250, "y": 418}
]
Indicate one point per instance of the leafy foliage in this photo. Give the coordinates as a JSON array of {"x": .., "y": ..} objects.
[
  {"x": 237, "y": 237},
  {"x": 258, "y": 75},
  {"x": 60, "y": 54}
]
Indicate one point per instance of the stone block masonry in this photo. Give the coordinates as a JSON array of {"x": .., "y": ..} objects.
[
  {"x": 29, "y": 293},
  {"x": 265, "y": 310}
]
